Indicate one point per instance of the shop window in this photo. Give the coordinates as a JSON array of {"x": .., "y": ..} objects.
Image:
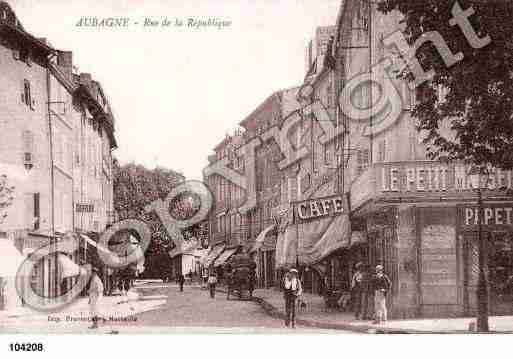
[{"x": 500, "y": 266}]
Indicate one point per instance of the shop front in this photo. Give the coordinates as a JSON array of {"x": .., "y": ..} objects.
[
  {"x": 264, "y": 252},
  {"x": 313, "y": 234},
  {"x": 421, "y": 225},
  {"x": 497, "y": 231}
]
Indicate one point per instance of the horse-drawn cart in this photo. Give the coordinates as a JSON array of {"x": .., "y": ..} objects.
[{"x": 240, "y": 276}]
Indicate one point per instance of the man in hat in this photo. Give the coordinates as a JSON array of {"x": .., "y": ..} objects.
[
  {"x": 359, "y": 291},
  {"x": 95, "y": 296},
  {"x": 292, "y": 289},
  {"x": 381, "y": 284}
]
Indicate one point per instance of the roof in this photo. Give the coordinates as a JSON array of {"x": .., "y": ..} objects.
[
  {"x": 12, "y": 25},
  {"x": 274, "y": 96},
  {"x": 277, "y": 96},
  {"x": 98, "y": 111}
]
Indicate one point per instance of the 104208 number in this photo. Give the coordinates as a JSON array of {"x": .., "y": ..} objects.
[{"x": 26, "y": 347}]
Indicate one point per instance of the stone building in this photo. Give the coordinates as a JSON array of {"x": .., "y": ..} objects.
[
  {"x": 56, "y": 149},
  {"x": 416, "y": 217}
]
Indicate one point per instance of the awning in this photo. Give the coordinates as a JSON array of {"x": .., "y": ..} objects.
[
  {"x": 214, "y": 253},
  {"x": 309, "y": 242},
  {"x": 94, "y": 244},
  {"x": 67, "y": 266},
  {"x": 11, "y": 259},
  {"x": 358, "y": 237},
  {"x": 259, "y": 242},
  {"x": 225, "y": 256}
]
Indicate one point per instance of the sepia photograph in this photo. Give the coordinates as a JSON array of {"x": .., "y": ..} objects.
[{"x": 293, "y": 167}]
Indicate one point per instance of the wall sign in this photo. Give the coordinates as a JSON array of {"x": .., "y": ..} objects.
[
  {"x": 84, "y": 208},
  {"x": 497, "y": 215},
  {"x": 320, "y": 207},
  {"x": 425, "y": 177}
]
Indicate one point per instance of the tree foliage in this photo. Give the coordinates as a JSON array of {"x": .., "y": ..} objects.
[
  {"x": 478, "y": 108},
  {"x": 6, "y": 197},
  {"x": 136, "y": 187}
]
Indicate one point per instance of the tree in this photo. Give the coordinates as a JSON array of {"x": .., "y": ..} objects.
[
  {"x": 474, "y": 123},
  {"x": 6, "y": 197},
  {"x": 136, "y": 187}
]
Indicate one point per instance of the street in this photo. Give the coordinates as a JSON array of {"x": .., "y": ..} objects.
[{"x": 160, "y": 308}]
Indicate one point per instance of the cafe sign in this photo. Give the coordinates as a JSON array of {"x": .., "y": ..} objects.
[{"x": 318, "y": 208}]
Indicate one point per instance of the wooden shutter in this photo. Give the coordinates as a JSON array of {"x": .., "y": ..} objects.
[{"x": 37, "y": 209}]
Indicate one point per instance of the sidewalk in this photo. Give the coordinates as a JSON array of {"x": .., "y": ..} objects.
[
  {"x": 114, "y": 310},
  {"x": 315, "y": 315}
]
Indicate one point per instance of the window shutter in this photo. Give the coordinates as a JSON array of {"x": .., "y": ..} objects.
[
  {"x": 29, "y": 211},
  {"x": 28, "y": 147},
  {"x": 36, "y": 210}
]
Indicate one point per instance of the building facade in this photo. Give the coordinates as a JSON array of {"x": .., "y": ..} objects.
[
  {"x": 58, "y": 137},
  {"x": 416, "y": 217}
]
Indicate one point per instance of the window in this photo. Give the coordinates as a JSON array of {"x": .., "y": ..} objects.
[
  {"x": 25, "y": 56},
  {"x": 362, "y": 161},
  {"x": 22, "y": 55},
  {"x": 327, "y": 155},
  {"x": 28, "y": 148},
  {"x": 442, "y": 93},
  {"x": 26, "y": 97},
  {"x": 413, "y": 146},
  {"x": 293, "y": 189},
  {"x": 382, "y": 148},
  {"x": 423, "y": 93},
  {"x": 306, "y": 182},
  {"x": 36, "y": 210}
]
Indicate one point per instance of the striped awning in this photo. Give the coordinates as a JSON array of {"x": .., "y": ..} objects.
[
  {"x": 259, "y": 242},
  {"x": 225, "y": 256},
  {"x": 94, "y": 244},
  {"x": 11, "y": 258},
  {"x": 68, "y": 268},
  {"x": 213, "y": 254}
]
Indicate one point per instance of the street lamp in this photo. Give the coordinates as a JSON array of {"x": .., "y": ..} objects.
[{"x": 479, "y": 181}]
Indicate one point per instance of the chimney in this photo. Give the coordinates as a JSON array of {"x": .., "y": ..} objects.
[
  {"x": 85, "y": 79},
  {"x": 65, "y": 63}
]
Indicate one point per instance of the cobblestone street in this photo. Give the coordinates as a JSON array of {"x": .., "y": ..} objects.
[{"x": 160, "y": 308}]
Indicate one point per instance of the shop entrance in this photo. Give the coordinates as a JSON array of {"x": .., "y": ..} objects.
[{"x": 500, "y": 270}]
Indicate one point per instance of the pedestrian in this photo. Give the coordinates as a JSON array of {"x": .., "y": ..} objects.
[
  {"x": 292, "y": 290},
  {"x": 357, "y": 290},
  {"x": 212, "y": 281},
  {"x": 381, "y": 284},
  {"x": 95, "y": 296},
  {"x": 205, "y": 279},
  {"x": 181, "y": 280}
]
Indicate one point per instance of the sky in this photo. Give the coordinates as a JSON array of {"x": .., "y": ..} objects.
[{"x": 177, "y": 91}]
